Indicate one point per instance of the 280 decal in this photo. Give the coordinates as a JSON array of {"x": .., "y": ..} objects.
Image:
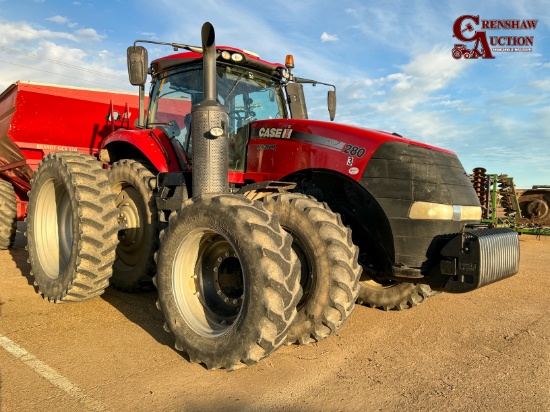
[{"x": 353, "y": 150}]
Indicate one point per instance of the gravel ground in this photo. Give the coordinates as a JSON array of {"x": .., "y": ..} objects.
[{"x": 487, "y": 350}]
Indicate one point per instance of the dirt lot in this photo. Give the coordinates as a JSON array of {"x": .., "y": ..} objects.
[{"x": 484, "y": 351}]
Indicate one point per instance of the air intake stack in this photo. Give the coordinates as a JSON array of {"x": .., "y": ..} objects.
[{"x": 209, "y": 127}]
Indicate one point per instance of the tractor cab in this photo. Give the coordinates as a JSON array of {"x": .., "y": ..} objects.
[
  {"x": 246, "y": 94},
  {"x": 249, "y": 88}
]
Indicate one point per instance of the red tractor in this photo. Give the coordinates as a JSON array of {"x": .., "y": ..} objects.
[
  {"x": 460, "y": 50},
  {"x": 253, "y": 221}
]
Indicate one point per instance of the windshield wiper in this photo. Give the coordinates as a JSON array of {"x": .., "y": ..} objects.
[{"x": 234, "y": 85}]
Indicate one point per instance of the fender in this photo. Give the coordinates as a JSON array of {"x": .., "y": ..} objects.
[
  {"x": 370, "y": 227},
  {"x": 153, "y": 144}
]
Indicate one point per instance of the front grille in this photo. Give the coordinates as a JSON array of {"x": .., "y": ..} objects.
[{"x": 400, "y": 173}]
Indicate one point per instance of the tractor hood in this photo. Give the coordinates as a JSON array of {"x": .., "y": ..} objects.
[
  {"x": 279, "y": 147},
  {"x": 401, "y": 175}
]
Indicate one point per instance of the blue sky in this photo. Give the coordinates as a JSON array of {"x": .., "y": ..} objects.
[{"x": 390, "y": 60}]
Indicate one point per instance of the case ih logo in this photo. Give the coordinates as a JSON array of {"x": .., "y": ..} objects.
[{"x": 484, "y": 46}]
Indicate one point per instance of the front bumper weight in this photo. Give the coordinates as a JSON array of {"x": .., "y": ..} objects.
[{"x": 478, "y": 258}]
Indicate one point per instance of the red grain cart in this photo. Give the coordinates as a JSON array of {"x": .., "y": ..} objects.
[{"x": 36, "y": 119}]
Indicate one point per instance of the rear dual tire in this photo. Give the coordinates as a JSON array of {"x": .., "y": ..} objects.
[
  {"x": 71, "y": 227},
  {"x": 134, "y": 265},
  {"x": 8, "y": 215},
  {"x": 329, "y": 268}
]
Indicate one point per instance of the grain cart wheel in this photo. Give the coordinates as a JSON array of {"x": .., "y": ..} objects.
[
  {"x": 71, "y": 227},
  {"x": 139, "y": 239},
  {"x": 228, "y": 281},
  {"x": 389, "y": 295},
  {"x": 329, "y": 268},
  {"x": 8, "y": 215},
  {"x": 536, "y": 208}
]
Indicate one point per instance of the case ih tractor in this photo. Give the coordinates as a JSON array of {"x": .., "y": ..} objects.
[{"x": 253, "y": 221}]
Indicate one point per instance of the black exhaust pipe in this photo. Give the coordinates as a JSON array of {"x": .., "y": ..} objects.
[{"x": 209, "y": 127}]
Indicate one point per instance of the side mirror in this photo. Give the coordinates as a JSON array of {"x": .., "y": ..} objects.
[
  {"x": 331, "y": 98},
  {"x": 137, "y": 65}
]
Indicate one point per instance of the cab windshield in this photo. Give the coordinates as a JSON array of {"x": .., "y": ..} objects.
[{"x": 247, "y": 95}]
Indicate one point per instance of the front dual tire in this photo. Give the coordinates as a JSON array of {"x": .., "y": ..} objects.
[{"x": 228, "y": 281}]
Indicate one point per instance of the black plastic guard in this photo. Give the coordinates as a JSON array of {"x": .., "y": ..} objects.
[{"x": 478, "y": 258}]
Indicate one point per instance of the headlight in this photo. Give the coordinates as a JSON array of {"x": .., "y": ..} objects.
[
  {"x": 431, "y": 211},
  {"x": 237, "y": 57},
  {"x": 438, "y": 211},
  {"x": 470, "y": 213}
]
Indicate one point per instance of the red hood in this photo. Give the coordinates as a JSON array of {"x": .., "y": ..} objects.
[{"x": 340, "y": 132}]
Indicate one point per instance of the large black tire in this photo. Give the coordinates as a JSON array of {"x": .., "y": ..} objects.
[
  {"x": 134, "y": 265},
  {"x": 388, "y": 295},
  {"x": 8, "y": 215},
  {"x": 329, "y": 268},
  {"x": 71, "y": 227},
  {"x": 228, "y": 281}
]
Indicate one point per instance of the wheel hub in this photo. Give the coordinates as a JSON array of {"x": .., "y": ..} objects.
[
  {"x": 227, "y": 287},
  {"x": 131, "y": 219},
  {"x": 219, "y": 278},
  {"x": 209, "y": 285}
]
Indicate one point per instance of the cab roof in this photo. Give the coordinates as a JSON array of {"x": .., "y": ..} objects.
[{"x": 250, "y": 60}]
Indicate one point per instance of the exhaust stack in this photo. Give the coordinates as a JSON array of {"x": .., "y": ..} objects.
[{"x": 209, "y": 127}]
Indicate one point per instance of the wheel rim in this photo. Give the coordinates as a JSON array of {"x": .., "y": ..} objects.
[
  {"x": 53, "y": 228},
  {"x": 207, "y": 282},
  {"x": 131, "y": 238}
]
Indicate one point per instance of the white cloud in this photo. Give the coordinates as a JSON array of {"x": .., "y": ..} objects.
[
  {"x": 15, "y": 32},
  {"x": 62, "y": 53},
  {"x": 426, "y": 74},
  {"x": 541, "y": 84},
  {"x": 62, "y": 20},
  {"x": 325, "y": 37},
  {"x": 414, "y": 101},
  {"x": 58, "y": 19},
  {"x": 89, "y": 35},
  {"x": 39, "y": 55}
]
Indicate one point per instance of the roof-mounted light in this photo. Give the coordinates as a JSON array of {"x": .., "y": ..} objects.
[
  {"x": 237, "y": 57},
  {"x": 289, "y": 61}
]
